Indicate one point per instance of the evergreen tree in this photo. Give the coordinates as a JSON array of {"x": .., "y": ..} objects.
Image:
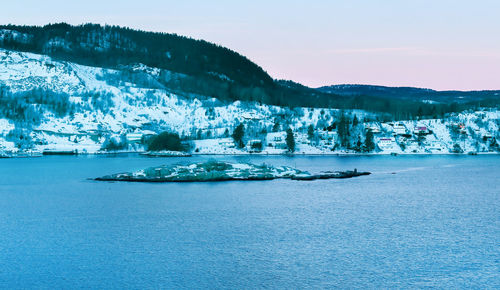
[
  {"x": 276, "y": 126},
  {"x": 290, "y": 140},
  {"x": 310, "y": 132},
  {"x": 434, "y": 112},
  {"x": 369, "y": 142},
  {"x": 359, "y": 144},
  {"x": 355, "y": 121},
  {"x": 343, "y": 130},
  {"x": 420, "y": 112},
  {"x": 238, "y": 135}
]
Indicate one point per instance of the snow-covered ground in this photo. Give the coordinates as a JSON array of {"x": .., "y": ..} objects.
[{"x": 135, "y": 111}]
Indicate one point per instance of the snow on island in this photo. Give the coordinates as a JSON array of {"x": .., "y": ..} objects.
[
  {"x": 223, "y": 171},
  {"x": 166, "y": 153}
]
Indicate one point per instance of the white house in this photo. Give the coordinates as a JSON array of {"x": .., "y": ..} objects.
[
  {"x": 251, "y": 116},
  {"x": 386, "y": 142},
  {"x": 227, "y": 143},
  {"x": 327, "y": 135},
  {"x": 420, "y": 130},
  {"x": 275, "y": 137},
  {"x": 399, "y": 129}
]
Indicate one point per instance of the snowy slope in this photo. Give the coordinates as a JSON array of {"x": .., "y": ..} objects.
[
  {"x": 137, "y": 111},
  {"x": 135, "y": 108}
]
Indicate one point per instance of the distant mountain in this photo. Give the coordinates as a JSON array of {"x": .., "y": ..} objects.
[{"x": 409, "y": 93}]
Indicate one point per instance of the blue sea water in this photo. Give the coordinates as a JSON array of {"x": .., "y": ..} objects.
[{"x": 417, "y": 221}]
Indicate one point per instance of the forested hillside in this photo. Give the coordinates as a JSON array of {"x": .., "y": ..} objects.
[
  {"x": 188, "y": 67},
  {"x": 112, "y": 46}
]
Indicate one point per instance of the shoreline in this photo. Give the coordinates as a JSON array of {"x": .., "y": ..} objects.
[{"x": 141, "y": 153}]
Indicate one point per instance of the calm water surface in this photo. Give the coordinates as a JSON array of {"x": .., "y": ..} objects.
[{"x": 416, "y": 222}]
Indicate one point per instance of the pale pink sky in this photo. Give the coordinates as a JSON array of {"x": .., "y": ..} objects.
[{"x": 439, "y": 44}]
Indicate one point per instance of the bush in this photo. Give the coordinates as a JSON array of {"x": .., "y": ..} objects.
[
  {"x": 238, "y": 135},
  {"x": 166, "y": 141},
  {"x": 256, "y": 146}
]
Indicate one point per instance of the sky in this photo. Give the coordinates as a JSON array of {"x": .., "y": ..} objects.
[{"x": 438, "y": 44}]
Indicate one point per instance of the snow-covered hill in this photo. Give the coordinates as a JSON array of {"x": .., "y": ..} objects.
[{"x": 104, "y": 107}]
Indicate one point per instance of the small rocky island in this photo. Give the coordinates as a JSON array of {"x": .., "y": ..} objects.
[{"x": 223, "y": 171}]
